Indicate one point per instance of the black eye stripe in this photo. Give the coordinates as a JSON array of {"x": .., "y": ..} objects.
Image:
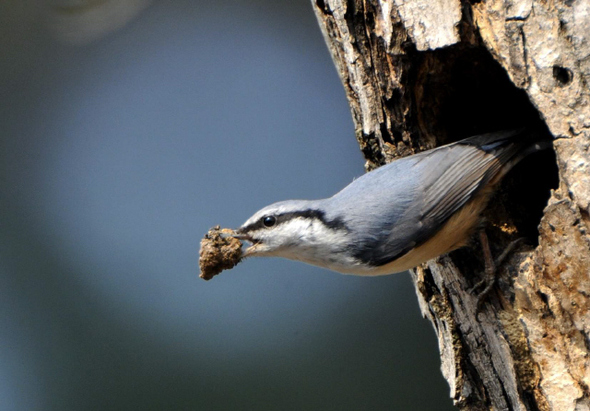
[{"x": 335, "y": 224}]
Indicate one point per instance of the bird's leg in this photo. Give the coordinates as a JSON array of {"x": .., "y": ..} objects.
[
  {"x": 500, "y": 260},
  {"x": 491, "y": 265},
  {"x": 490, "y": 269}
]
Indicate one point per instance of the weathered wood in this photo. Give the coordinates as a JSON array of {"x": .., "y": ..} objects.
[{"x": 421, "y": 73}]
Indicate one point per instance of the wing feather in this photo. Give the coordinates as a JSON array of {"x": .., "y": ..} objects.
[{"x": 450, "y": 176}]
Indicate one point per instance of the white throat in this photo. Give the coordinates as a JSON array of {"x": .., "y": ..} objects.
[{"x": 311, "y": 241}]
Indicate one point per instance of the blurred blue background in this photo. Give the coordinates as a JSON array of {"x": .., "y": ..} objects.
[{"x": 125, "y": 134}]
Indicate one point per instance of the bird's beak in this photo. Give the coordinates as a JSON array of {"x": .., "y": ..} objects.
[{"x": 245, "y": 237}]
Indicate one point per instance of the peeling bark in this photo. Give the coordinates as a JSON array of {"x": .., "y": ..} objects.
[{"x": 422, "y": 73}]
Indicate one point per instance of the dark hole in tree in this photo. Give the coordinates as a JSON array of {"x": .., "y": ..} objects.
[
  {"x": 322, "y": 6},
  {"x": 562, "y": 75},
  {"x": 465, "y": 92}
]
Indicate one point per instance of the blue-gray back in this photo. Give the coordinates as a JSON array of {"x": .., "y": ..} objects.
[{"x": 406, "y": 202}]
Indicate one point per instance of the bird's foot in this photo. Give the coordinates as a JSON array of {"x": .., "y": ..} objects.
[{"x": 491, "y": 267}]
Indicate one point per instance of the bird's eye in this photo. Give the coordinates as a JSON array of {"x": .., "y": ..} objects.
[{"x": 269, "y": 221}]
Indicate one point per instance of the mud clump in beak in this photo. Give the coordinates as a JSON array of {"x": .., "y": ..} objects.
[{"x": 220, "y": 250}]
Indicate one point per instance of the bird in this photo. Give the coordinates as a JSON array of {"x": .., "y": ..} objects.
[{"x": 397, "y": 216}]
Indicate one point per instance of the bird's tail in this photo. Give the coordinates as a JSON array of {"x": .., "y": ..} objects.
[{"x": 511, "y": 146}]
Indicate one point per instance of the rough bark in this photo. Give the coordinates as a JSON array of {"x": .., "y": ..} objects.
[{"x": 421, "y": 73}]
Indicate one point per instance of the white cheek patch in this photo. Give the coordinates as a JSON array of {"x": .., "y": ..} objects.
[
  {"x": 312, "y": 242},
  {"x": 307, "y": 240},
  {"x": 291, "y": 234}
]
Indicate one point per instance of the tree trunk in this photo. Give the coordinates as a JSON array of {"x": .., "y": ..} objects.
[{"x": 422, "y": 73}]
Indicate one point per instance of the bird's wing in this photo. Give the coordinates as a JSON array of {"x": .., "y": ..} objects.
[
  {"x": 459, "y": 170},
  {"x": 449, "y": 177}
]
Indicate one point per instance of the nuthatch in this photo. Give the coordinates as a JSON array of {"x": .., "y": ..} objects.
[{"x": 395, "y": 217}]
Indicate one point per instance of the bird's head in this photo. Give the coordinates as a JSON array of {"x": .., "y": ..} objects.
[{"x": 295, "y": 229}]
